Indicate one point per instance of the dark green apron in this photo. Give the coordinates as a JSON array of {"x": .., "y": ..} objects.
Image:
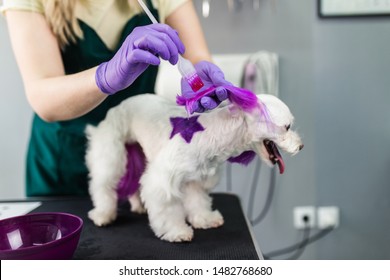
[{"x": 56, "y": 153}]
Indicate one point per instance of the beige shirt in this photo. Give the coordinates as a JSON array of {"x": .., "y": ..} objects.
[{"x": 106, "y": 17}]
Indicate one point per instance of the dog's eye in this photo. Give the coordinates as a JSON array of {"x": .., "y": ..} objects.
[{"x": 288, "y": 127}]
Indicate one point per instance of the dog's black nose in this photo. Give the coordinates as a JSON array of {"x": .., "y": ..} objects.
[{"x": 301, "y": 146}]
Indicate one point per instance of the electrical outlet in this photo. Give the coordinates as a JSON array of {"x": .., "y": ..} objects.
[
  {"x": 302, "y": 212},
  {"x": 328, "y": 216}
]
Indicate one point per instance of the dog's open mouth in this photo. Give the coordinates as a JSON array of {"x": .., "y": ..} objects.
[{"x": 274, "y": 155}]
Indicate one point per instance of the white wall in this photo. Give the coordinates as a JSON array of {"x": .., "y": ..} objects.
[{"x": 15, "y": 116}]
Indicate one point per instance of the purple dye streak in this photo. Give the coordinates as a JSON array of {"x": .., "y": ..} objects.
[
  {"x": 189, "y": 102},
  {"x": 243, "y": 98},
  {"x": 245, "y": 158},
  {"x": 135, "y": 166}
]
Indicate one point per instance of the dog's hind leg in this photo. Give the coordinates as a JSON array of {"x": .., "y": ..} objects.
[
  {"x": 136, "y": 203},
  {"x": 165, "y": 209},
  {"x": 106, "y": 161},
  {"x": 198, "y": 206}
]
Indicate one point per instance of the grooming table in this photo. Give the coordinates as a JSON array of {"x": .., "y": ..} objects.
[{"x": 130, "y": 236}]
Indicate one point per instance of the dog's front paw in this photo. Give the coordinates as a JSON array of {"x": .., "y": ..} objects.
[
  {"x": 182, "y": 234},
  {"x": 205, "y": 220},
  {"x": 101, "y": 218}
]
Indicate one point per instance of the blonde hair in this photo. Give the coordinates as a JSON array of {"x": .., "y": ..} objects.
[{"x": 61, "y": 17}]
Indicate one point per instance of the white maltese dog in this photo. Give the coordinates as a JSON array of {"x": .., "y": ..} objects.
[{"x": 183, "y": 157}]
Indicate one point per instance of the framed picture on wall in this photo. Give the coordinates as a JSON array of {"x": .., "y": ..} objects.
[{"x": 353, "y": 8}]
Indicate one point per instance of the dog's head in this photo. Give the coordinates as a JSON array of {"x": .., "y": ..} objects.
[{"x": 271, "y": 128}]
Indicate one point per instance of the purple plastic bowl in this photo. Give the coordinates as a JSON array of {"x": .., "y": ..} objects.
[{"x": 40, "y": 236}]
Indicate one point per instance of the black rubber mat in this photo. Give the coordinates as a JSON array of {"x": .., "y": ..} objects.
[{"x": 130, "y": 236}]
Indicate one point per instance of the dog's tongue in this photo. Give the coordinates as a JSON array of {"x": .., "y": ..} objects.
[
  {"x": 279, "y": 159},
  {"x": 275, "y": 156}
]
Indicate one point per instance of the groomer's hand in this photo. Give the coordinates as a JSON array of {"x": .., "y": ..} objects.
[
  {"x": 211, "y": 75},
  {"x": 142, "y": 47}
]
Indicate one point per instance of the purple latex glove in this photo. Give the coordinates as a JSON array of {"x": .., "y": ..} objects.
[
  {"x": 211, "y": 75},
  {"x": 143, "y": 47}
]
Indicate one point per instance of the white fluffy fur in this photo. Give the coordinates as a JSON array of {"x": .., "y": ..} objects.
[{"x": 178, "y": 177}]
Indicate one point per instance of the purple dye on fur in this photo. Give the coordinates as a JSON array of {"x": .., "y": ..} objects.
[
  {"x": 186, "y": 127},
  {"x": 245, "y": 158},
  {"x": 243, "y": 98},
  {"x": 135, "y": 166},
  {"x": 188, "y": 103}
]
